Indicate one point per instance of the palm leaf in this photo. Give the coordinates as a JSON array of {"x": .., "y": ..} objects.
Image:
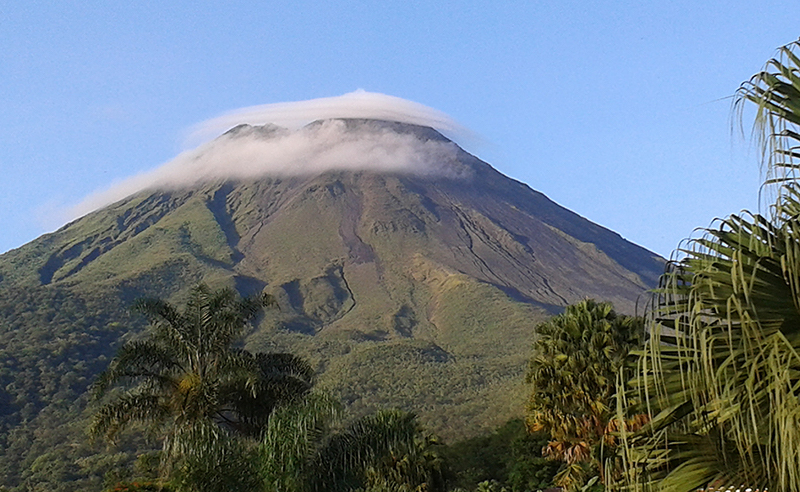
[
  {"x": 341, "y": 462},
  {"x": 775, "y": 91},
  {"x": 724, "y": 340},
  {"x": 291, "y": 441},
  {"x": 130, "y": 407}
]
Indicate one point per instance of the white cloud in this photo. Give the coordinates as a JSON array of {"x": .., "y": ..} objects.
[
  {"x": 357, "y": 104},
  {"x": 293, "y": 149}
]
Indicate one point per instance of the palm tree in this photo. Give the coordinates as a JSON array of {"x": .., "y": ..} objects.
[
  {"x": 721, "y": 373},
  {"x": 306, "y": 449},
  {"x": 383, "y": 452},
  {"x": 186, "y": 378},
  {"x": 577, "y": 356}
]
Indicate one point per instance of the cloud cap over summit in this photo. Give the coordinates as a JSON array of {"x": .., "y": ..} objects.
[
  {"x": 279, "y": 140},
  {"x": 359, "y": 104}
]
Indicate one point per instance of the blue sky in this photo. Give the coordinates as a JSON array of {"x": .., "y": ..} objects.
[{"x": 619, "y": 111}]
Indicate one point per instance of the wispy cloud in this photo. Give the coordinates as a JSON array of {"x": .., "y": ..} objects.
[{"x": 294, "y": 149}]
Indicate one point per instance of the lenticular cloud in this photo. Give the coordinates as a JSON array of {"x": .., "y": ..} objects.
[
  {"x": 277, "y": 140},
  {"x": 358, "y": 104}
]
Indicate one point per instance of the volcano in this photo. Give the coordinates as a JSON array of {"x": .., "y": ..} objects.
[{"x": 414, "y": 284}]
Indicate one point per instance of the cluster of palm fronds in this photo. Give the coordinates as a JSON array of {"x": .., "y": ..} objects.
[
  {"x": 720, "y": 375},
  {"x": 305, "y": 448},
  {"x": 573, "y": 375},
  {"x": 186, "y": 371}
]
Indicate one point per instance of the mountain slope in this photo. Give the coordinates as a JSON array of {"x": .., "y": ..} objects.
[{"x": 410, "y": 289}]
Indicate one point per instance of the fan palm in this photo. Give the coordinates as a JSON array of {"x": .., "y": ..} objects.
[
  {"x": 721, "y": 374},
  {"x": 185, "y": 374},
  {"x": 573, "y": 373}
]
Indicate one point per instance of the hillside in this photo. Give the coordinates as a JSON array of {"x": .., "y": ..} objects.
[{"x": 414, "y": 290}]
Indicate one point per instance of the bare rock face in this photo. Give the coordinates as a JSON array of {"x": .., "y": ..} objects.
[{"x": 414, "y": 288}]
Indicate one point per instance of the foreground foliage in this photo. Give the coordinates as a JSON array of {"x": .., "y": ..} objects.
[
  {"x": 236, "y": 421},
  {"x": 306, "y": 448},
  {"x": 578, "y": 356},
  {"x": 509, "y": 457},
  {"x": 186, "y": 378},
  {"x": 721, "y": 374}
]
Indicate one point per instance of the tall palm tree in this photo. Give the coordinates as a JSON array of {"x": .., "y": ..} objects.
[
  {"x": 721, "y": 374},
  {"x": 186, "y": 377},
  {"x": 577, "y": 356}
]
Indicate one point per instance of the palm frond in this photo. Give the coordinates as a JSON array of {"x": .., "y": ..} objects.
[
  {"x": 130, "y": 407},
  {"x": 775, "y": 91},
  {"x": 185, "y": 371},
  {"x": 138, "y": 360},
  {"x": 210, "y": 460},
  {"x": 724, "y": 350},
  {"x": 291, "y": 441},
  {"x": 343, "y": 459}
]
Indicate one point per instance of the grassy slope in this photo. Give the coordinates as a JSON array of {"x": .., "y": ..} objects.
[{"x": 55, "y": 338}]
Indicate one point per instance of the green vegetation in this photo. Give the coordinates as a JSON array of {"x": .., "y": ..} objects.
[
  {"x": 509, "y": 457},
  {"x": 53, "y": 343},
  {"x": 230, "y": 420},
  {"x": 186, "y": 377},
  {"x": 579, "y": 355},
  {"x": 720, "y": 374},
  {"x": 305, "y": 450}
]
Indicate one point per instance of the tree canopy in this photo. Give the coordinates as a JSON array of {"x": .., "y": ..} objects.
[
  {"x": 573, "y": 374},
  {"x": 186, "y": 378}
]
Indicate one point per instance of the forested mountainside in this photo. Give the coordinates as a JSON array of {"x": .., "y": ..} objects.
[{"x": 403, "y": 290}]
